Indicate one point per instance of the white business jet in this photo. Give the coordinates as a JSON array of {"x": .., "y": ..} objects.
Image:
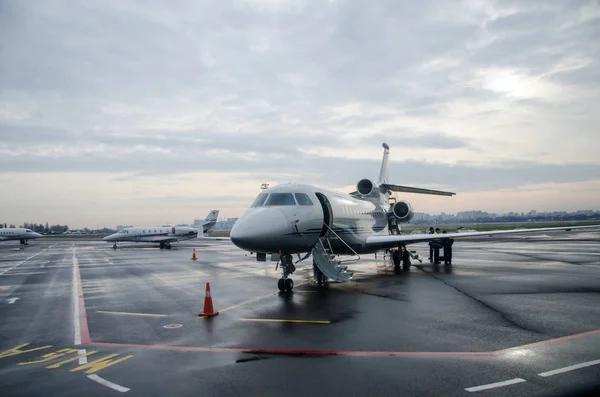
[
  {"x": 163, "y": 235},
  {"x": 302, "y": 219},
  {"x": 18, "y": 233}
]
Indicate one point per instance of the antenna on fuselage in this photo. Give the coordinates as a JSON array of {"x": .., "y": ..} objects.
[{"x": 383, "y": 173}]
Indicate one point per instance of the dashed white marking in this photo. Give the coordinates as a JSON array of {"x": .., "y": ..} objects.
[
  {"x": 20, "y": 263},
  {"x": 495, "y": 385},
  {"x": 21, "y": 274},
  {"x": 106, "y": 383},
  {"x": 11, "y": 300},
  {"x": 569, "y": 368}
]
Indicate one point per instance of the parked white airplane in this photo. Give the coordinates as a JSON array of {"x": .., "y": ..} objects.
[
  {"x": 18, "y": 233},
  {"x": 302, "y": 219},
  {"x": 163, "y": 235}
]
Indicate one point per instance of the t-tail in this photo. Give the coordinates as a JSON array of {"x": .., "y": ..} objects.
[
  {"x": 210, "y": 221},
  {"x": 383, "y": 173},
  {"x": 379, "y": 192}
]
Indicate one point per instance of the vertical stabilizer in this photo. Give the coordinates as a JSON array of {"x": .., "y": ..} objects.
[
  {"x": 383, "y": 173},
  {"x": 210, "y": 221},
  {"x": 212, "y": 216}
]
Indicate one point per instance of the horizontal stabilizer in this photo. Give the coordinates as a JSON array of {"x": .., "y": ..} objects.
[{"x": 409, "y": 189}]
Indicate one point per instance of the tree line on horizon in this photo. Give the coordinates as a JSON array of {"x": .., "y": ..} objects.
[{"x": 40, "y": 227}]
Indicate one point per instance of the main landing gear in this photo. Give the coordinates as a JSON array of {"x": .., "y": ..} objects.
[
  {"x": 23, "y": 242},
  {"x": 165, "y": 246},
  {"x": 115, "y": 246},
  {"x": 287, "y": 268}
]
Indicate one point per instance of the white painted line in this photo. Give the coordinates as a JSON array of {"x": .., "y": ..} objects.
[
  {"x": 11, "y": 300},
  {"x": 569, "y": 368},
  {"x": 495, "y": 385},
  {"x": 21, "y": 274},
  {"x": 106, "y": 383},
  {"x": 76, "y": 326},
  {"x": 20, "y": 263}
]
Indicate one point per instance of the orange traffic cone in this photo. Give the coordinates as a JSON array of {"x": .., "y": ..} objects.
[
  {"x": 194, "y": 257},
  {"x": 208, "y": 311}
]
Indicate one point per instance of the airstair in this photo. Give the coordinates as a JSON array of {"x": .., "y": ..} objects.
[{"x": 326, "y": 261}]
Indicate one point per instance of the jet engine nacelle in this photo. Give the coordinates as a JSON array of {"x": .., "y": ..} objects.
[
  {"x": 403, "y": 211},
  {"x": 366, "y": 187}
]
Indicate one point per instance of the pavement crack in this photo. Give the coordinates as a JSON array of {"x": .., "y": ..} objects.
[{"x": 484, "y": 304}]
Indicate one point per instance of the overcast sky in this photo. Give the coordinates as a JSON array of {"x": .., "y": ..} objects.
[{"x": 143, "y": 112}]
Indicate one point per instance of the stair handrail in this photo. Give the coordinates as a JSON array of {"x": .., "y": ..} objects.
[{"x": 342, "y": 240}]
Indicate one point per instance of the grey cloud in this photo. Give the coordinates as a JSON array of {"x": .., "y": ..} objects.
[
  {"x": 262, "y": 85},
  {"x": 302, "y": 168}
]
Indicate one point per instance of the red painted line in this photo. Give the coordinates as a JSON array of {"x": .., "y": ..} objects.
[
  {"x": 342, "y": 352},
  {"x": 292, "y": 351},
  {"x": 83, "y": 324}
]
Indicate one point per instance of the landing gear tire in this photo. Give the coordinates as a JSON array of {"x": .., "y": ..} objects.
[
  {"x": 114, "y": 246},
  {"x": 287, "y": 268},
  {"x": 162, "y": 246},
  {"x": 168, "y": 246},
  {"x": 288, "y": 284}
]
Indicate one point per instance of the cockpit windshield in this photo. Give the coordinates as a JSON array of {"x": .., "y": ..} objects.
[
  {"x": 276, "y": 199},
  {"x": 260, "y": 200}
]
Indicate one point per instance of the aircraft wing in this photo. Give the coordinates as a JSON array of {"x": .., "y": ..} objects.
[
  {"x": 410, "y": 189},
  {"x": 395, "y": 240}
]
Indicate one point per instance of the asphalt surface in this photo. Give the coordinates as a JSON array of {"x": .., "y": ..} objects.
[{"x": 511, "y": 316}]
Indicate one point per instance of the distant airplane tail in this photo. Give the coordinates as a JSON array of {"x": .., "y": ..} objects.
[
  {"x": 210, "y": 221},
  {"x": 212, "y": 216}
]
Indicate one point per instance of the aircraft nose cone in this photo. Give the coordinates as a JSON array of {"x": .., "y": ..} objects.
[{"x": 259, "y": 230}]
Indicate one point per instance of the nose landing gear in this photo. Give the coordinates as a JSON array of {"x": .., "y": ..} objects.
[{"x": 287, "y": 268}]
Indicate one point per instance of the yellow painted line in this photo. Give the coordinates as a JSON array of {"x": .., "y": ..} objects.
[
  {"x": 275, "y": 320},
  {"x": 133, "y": 314}
]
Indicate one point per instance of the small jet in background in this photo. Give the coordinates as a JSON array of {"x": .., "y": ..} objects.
[
  {"x": 18, "y": 233},
  {"x": 163, "y": 235}
]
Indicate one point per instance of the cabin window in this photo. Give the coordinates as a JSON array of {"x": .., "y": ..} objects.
[
  {"x": 303, "y": 199},
  {"x": 260, "y": 200},
  {"x": 280, "y": 199}
]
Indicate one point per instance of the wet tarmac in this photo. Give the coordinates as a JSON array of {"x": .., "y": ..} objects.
[{"x": 511, "y": 316}]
